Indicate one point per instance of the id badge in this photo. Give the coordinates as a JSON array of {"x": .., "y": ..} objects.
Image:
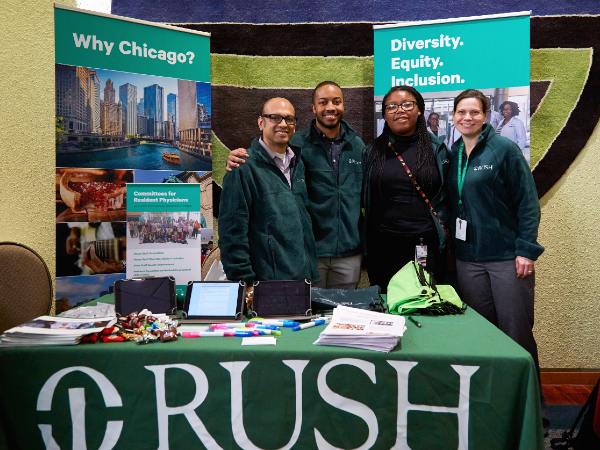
[
  {"x": 461, "y": 229},
  {"x": 421, "y": 254}
]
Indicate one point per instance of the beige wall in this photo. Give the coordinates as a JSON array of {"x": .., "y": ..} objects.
[
  {"x": 568, "y": 304},
  {"x": 568, "y": 273},
  {"x": 27, "y": 125}
]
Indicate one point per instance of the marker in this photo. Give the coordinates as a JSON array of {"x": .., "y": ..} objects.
[
  {"x": 228, "y": 326},
  {"x": 197, "y": 334},
  {"x": 312, "y": 323},
  {"x": 268, "y": 327},
  {"x": 249, "y": 325},
  {"x": 279, "y": 323},
  {"x": 217, "y": 326},
  {"x": 218, "y": 333},
  {"x": 241, "y": 333},
  {"x": 262, "y": 332},
  {"x": 416, "y": 322}
]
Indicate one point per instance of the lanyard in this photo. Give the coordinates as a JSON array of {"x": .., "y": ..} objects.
[{"x": 461, "y": 172}]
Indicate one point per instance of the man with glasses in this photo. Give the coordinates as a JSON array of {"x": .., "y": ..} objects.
[
  {"x": 332, "y": 153},
  {"x": 264, "y": 227}
]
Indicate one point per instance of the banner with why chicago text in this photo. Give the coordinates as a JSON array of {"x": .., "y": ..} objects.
[
  {"x": 441, "y": 58},
  {"x": 133, "y": 105}
]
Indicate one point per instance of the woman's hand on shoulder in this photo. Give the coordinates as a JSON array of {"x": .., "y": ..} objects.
[{"x": 524, "y": 267}]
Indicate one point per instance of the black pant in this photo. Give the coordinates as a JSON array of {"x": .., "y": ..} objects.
[{"x": 387, "y": 253}]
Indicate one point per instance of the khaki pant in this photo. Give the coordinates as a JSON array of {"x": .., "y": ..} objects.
[{"x": 339, "y": 273}]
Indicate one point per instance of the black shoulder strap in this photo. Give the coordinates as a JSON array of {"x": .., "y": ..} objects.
[{"x": 581, "y": 440}]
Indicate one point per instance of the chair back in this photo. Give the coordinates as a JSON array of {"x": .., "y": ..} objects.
[
  {"x": 210, "y": 270},
  {"x": 25, "y": 285}
]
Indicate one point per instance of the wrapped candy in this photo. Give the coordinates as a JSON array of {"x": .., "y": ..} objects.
[{"x": 144, "y": 328}]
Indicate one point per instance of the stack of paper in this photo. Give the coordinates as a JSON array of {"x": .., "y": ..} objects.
[
  {"x": 50, "y": 330},
  {"x": 352, "y": 327}
]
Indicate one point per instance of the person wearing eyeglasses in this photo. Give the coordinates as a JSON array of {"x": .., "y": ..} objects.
[
  {"x": 495, "y": 215},
  {"x": 265, "y": 230},
  {"x": 332, "y": 153},
  {"x": 403, "y": 195}
]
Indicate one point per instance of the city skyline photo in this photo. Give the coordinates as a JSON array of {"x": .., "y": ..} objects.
[{"x": 122, "y": 120}]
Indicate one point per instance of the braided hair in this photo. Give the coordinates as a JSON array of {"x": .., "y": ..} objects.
[{"x": 426, "y": 168}]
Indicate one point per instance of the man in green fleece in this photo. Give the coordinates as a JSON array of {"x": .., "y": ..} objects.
[
  {"x": 332, "y": 153},
  {"x": 264, "y": 227}
]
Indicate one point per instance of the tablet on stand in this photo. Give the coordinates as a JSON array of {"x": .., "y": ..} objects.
[
  {"x": 282, "y": 299},
  {"x": 214, "y": 302}
]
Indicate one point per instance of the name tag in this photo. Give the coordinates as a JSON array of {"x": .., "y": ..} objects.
[
  {"x": 461, "y": 229},
  {"x": 421, "y": 254}
]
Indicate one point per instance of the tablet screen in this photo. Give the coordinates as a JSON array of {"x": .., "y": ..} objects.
[{"x": 213, "y": 300}]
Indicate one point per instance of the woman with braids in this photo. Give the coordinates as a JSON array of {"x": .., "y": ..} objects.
[{"x": 402, "y": 190}]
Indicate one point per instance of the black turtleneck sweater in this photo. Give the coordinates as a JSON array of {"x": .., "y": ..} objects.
[{"x": 397, "y": 207}]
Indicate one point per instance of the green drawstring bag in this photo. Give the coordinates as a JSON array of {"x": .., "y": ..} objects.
[{"x": 412, "y": 291}]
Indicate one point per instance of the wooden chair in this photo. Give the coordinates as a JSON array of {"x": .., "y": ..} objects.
[{"x": 25, "y": 285}]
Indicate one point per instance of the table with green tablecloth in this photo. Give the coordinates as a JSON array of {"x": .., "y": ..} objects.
[{"x": 457, "y": 382}]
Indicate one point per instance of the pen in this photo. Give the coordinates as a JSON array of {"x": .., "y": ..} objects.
[
  {"x": 416, "y": 322},
  {"x": 312, "y": 323}
]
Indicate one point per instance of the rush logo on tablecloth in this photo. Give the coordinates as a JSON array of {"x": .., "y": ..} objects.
[{"x": 240, "y": 398}]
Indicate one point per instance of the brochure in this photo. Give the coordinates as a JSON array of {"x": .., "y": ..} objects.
[
  {"x": 53, "y": 330},
  {"x": 352, "y": 327}
]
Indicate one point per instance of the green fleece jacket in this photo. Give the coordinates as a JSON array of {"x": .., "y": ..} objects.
[
  {"x": 265, "y": 231},
  {"x": 334, "y": 199},
  {"x": 500, "y": 202}
]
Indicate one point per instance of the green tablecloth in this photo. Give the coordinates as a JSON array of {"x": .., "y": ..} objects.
[{"x": 213, "y": 392}]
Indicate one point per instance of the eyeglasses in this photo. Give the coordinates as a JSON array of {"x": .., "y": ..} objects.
[
  {"x": 408, "y": 105},
  {"x": 277, "y": 118}
]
